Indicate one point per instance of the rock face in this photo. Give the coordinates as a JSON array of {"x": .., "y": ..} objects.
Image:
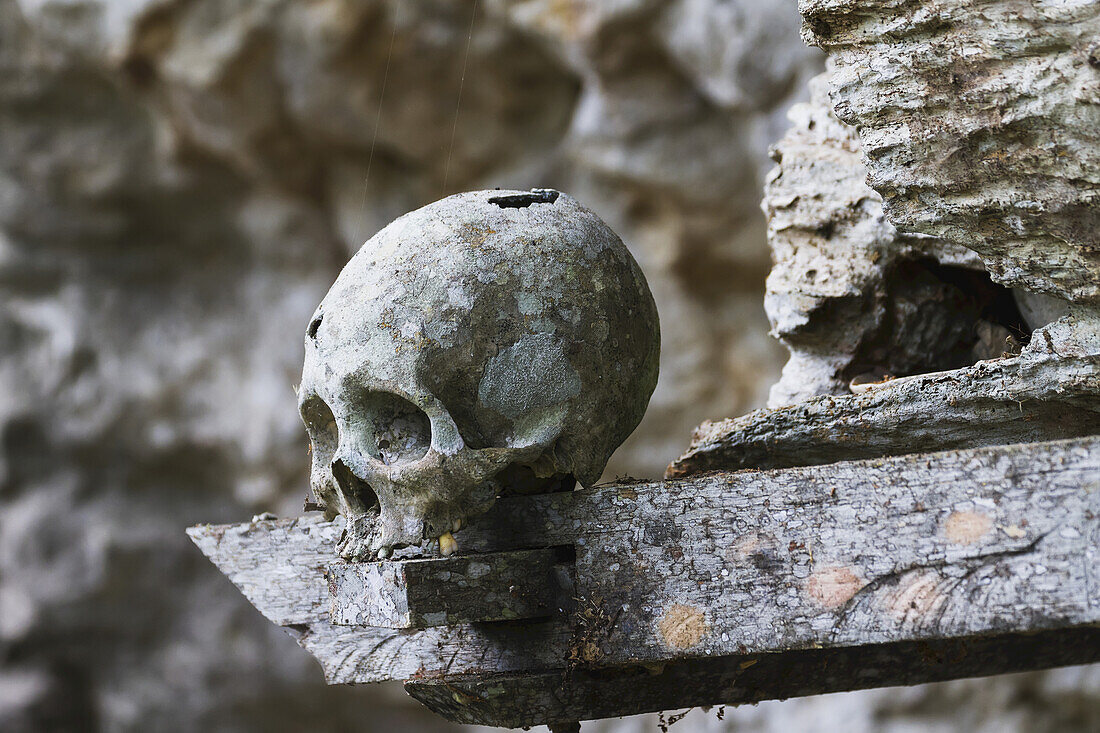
[
  {"x": 849, "y": 293},
  {"x": 949, "y": 147},
  {"x": 180, "y": 183},
  {"x": 979, "y": 123}
]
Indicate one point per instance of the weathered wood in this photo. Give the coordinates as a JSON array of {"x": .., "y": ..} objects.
[
  {"x": 944, "y": 545},
  {"x": 500, "y": 586},
  {"x": 954, "y": 545},
  {"x": 358, "y": 654},
  {"x": 1032, "y": 397},
  {"x": 280, "y": 566},
  {"x": 523, "y": 700}
]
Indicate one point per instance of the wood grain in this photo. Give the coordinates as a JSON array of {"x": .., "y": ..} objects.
[{"x": 959, "y": 545}]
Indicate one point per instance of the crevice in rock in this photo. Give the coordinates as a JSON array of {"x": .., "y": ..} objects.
[{"x": 939, "y": 317}]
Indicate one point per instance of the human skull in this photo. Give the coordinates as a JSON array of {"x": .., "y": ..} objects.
[{"x": 490, "y": 342}]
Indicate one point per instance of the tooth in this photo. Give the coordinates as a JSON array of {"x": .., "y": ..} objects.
[
  {"x": 447, "y": 544},
  {"x": 457, "y": 525},
  {"x": 384, "y": 552}
]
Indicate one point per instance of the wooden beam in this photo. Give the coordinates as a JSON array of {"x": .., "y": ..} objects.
[
  {"x": 1032, "y": 397},
  {"x": 952, "y": 544},
  {"x": 983, "y": 546},
  {"x": 521, "y": 700},
  {"x": 499, "y": 586},
  {"x": 280, "y": 566}
]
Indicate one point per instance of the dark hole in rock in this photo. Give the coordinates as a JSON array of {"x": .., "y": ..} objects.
[
  {"x": 312, "y": 330},
  {"x": 523, "y": 200},
  {"x": 940, "y": 317},
  {"x": 1094, "y": 55},
  {"x": 28, "y": 453}
]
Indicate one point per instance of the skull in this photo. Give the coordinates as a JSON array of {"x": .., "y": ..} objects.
[{"x": 490, "y": 342}]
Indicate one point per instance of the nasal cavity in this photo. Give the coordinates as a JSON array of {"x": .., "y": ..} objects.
[{"x": 358, "y": 494}]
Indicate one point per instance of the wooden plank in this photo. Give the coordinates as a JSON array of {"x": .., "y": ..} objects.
[
  {"x": 499, "y": 586},
  {"x": 914, "y": 547},
  {"x": 358, "y": 654},
  {"x": 989, "y": 541},
  {"x": 280, "y": 565},
  {"x": 1033, "y": 397},
  {"x": 514, "y": 701}
]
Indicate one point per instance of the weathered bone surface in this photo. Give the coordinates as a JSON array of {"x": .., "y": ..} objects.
[
  {"x": 980, "y": 123},
  {"x": 1052, "y": 390},
  {"x": 491, "y": 341}
]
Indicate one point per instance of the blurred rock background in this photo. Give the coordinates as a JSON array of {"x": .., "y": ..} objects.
[{"x": 180, "y": 182}]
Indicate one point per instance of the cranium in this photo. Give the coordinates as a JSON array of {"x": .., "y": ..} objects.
[{"x": 492, "y": 341}]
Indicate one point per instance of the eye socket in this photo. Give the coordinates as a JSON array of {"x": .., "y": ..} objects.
[
  {"x": 397, "y": 430},
  {"x": 321, "y": 428}
]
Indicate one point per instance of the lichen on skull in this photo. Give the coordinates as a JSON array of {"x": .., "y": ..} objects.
[{"x": 490, "y": 342}]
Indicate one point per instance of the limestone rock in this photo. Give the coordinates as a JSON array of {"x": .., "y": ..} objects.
[
  {"x": 828, "y": 238},
  {"x": 979, "y": 123},
  {"x": 849, "y": 293}
]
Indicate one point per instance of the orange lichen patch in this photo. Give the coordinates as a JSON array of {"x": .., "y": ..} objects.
[
  {"x": 918, "y": 595},
  {"x": 833, "y": 587},
  {"x": 966, "y": 528},
  {"x": 682, "y": 626}
]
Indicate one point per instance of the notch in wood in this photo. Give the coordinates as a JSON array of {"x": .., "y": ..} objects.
[{"x": 497, "y": 586}]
